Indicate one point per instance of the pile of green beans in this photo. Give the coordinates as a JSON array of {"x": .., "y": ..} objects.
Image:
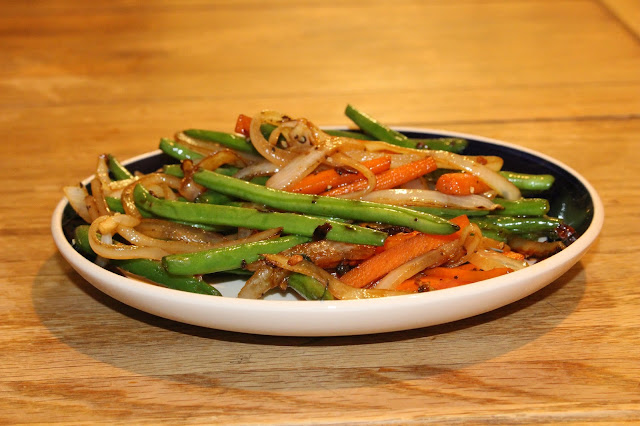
[{"x": 229, "y": 203}]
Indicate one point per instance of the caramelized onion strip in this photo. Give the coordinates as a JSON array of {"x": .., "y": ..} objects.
[{"x": 118, "y": 251}]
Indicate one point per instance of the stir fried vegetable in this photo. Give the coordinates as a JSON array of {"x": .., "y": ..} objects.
[{"x": 326, "y": 214}]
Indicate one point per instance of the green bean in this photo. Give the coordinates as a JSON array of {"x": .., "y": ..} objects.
[
  {"x": 266, "y": 129},
  {"x": 173, "y": 170},
  {"x": 115, "y": 205},
  {"x": 81, "y": 241},
  {"x": 376, "y": 129},
  {"x": 230, "y": 140},
  {"x": 146, "y": 268},
  {"x": 522, "y": 207},
  {"x": 450, "y": 144},
  {"x": 290, "y": 223},
  {"x": 365, "y": 211},
  {"x": 178, "y": 150},
  {"x": 176, "y": 170},
  {"x": 119, "y": 171},
  {"x": 154, "y": 271},
  {"x": 227, "y": 258},
  {"x": 497, "y": 235},
  {"x": 373, "y": 127},
  {"x": 529, "y": 182},
  {"x": 349, "y": 134},
  {"x": 308, "y": 287},
  {"x": 450, "y": 212},
  {"x": 213, "y": 197},
  {"x": 517, "y": 224}
]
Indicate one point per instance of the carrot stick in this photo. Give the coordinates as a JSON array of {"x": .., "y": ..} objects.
[
  {"x": 382, "y": 263},
  {"x": 438, "y": 283},
  {"x": 243, "y": 124},
  {"x": 327, "y": 179},
  {"x": 393, "y": 240},
  {"x": 465, "y": 274},
  {"x": 460, "y": 184},
  {"x": 391, "y": 178},
  {"x": 429, "y": 283},
  {"x": 409, "y": 285}
]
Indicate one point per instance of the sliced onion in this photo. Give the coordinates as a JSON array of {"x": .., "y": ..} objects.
[
  {"x": 492, "y": 162},
  {"x": 215, "y": 160},
  {"x": 76, "y": 196},
  {"x": 263, "y": 279},
  {"x": 140, "y": 239},
  {"x": 98, "y": 196},
  {"x": 489, "y": 259},
  {"x": 129, "y": 204},
  {"x": 454, "y": 161},
  {"x": 425, "y": 197},
  {"x": 102, "y": 170},
  {"x": 167, "y": 230},
  {"x": 418, "y": 183},
  {"x": 92, "y": 207},
  {"x": 261, "y": 168},
  {"x": 472, "y": 241},
  {"x": 300, "y": 167},
  {"x": 269, "y": 151},
  {"x": 120, "y": 251}
]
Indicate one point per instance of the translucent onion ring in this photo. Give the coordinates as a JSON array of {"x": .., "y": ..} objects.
[{"x": 271, "y": 152}]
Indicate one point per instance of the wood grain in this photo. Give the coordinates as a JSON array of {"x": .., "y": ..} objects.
[{"x": 82, "y": 78}]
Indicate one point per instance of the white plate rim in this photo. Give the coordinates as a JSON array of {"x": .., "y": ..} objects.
[{"x": 344, "y": 317}]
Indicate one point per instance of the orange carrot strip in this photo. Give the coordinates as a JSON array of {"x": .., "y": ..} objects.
[
  {"x": 465, "y": 274},
  {"x": 409, "y": 285},
  {"x": 438, "y": 283},
  {"x": 327, "y": 179},
  {"x": 460, "y": 184},
  {"x": 393, "y": 240},
  {"x": 382, "y": 263},
  {"x": 429, "y": 283},
  {"x": 243, "y": 124},
  {"x": 391, "y": 178}
]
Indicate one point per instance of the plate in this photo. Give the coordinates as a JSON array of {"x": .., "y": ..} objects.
[{"x": 572, "y": 199}]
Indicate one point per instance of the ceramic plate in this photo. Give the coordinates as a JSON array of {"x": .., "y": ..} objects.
[{"x": 572, "y": 199}]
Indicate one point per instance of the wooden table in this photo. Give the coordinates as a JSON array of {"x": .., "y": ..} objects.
[{"x": 81, "y": 78}]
